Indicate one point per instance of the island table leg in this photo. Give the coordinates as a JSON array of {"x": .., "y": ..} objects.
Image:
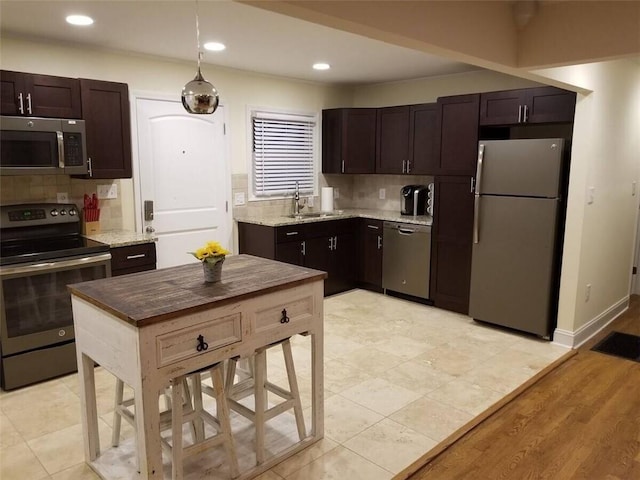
[{"x": 89, "y": 412}]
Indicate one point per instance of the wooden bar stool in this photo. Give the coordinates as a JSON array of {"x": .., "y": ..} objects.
[
  {"x": 123, "y": 409},
  {"x": 259, "y": 386},
  {"x": 221, "y": 423}
]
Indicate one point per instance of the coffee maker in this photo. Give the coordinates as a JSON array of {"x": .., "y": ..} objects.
[{"x": 413, "y": 200}]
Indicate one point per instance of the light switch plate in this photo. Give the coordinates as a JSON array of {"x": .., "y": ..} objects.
[
  {"x": 336, "y": 193},
  {"x": 107, "y": 191},
  {"x": 238, "y": 198},
  {"x": 382, "y": 194},
  {"x": 310, "y": 201},
  {"x": 591, "y": 193}
]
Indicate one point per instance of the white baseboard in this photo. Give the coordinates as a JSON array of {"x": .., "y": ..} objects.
[{"x": 570, "y": 339}]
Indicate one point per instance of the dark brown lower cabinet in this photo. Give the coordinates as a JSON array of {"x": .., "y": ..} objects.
[
  {"x": 329, "y": 246},
  {"x": 133, "y": 259},
  {"x": 370, "y": 258},
  {"x": 452, "y": 243}
]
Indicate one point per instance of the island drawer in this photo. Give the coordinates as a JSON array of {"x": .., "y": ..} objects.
[
  {"x": 181, "y": 344},
  {"x": 283, "y": 310}
]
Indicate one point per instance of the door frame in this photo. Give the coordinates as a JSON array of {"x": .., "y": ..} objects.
[{"x": 136, "y": 95}]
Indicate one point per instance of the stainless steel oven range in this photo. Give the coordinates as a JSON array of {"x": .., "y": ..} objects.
[{"x": 42, "y": 251}]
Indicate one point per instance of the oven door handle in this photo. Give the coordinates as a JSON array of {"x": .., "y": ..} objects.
[{"x": 58, "y": 264}]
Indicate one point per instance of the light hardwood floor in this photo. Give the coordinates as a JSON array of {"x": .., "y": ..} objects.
[{"x": 581, "y": 421}]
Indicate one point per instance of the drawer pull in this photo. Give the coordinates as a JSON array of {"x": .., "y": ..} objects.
[
  {"x": 139, "y": 255},
  {"x": 202, "y": 345},
  {"x": 284, "y": 318},
  {"x": 291, "y": 233}
]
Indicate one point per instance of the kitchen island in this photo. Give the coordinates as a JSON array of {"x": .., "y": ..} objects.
[{"x": 144, "y": 329}]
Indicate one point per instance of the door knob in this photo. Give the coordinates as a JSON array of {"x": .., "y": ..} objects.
[{"x": 150, "y": 229}]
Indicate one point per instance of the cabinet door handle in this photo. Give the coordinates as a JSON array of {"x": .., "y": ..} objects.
[
  {"x": 342, "y": 168},
  {"x": 525, "y": 116},
  {"x": 29, "y": 104},
  {"x": 473, "y": 184},
  {"x": 408, "y": 166},
  {"x": 21, "y": 103},
  {"x": 335, "y": 243},
  {"x": 291, "y": 233},
  {"x": 519, "y": 113},
  {"x": 139, "y": 255},
  {"x": 90, "y": 167},
  {"x": 284, "y": 318},
  {"x": 330, "y": 243},
  {"x": 379, "y": 242},
  {"x": 375, "y": 227},
  {"x": 403, "y": 166},
  {"x": 303, "y": 246}
]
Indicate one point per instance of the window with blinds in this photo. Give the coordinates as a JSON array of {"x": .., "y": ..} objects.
[{"x": 283, "y": 153}]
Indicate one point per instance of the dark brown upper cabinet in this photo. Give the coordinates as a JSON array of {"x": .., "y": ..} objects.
[
  {"x": 392, "y": 152},
  {"x": 105, "y": 107},
  {"x": 423, "y": 127},
  {"x": 39, "y": 95},
  {"x": 406, "y": 139},
  {"x": 349, "y": 140},
  {"x": 529, "y": 105},
  {"x": 456, "y": 142}
]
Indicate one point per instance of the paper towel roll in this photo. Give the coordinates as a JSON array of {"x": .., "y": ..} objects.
[{"x": 326, "y": 201}]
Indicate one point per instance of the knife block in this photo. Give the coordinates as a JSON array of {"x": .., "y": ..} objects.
[{"x": 90, "y": 228}]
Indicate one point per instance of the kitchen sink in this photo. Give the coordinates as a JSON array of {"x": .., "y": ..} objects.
[{"x": 300, "y": 216}]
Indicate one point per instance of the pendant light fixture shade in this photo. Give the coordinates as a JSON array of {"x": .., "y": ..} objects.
[{"x": 198, "y": 95}]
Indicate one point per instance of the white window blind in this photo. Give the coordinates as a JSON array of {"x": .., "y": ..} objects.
[{"x": 283, "y": 153}]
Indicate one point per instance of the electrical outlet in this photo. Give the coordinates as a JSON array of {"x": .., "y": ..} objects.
[
  {"x": 310, "y": 201},
  {"x": 382, "y": 194},
  {"x": 591, "y": 193},
  {"x": 107, "y": 191},
  {"x": 336, "y": 193},
  {"x": 587, "y": 292},
  {"x": 238, "y": 199},
  {"x": 63, "y": 197},
  {"x": 633, "y": 188}
]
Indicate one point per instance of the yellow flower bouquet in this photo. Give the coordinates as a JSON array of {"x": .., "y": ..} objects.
[
  {"x": 212, "y": 252},
  {"x": 211, "y": 256}
]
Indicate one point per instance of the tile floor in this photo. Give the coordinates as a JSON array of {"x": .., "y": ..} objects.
[{"x": 399, "y": 378}]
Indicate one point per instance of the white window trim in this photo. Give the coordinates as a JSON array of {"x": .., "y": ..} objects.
[{"x": 285, "y": 113}]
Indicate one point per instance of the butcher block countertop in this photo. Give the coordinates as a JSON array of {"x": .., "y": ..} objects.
[{"x": 145, "y": 298}]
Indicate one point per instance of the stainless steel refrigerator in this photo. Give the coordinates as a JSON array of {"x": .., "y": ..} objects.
[{"x": 515, "y": 236}]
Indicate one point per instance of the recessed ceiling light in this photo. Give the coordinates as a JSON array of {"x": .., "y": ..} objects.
[
  {"x": 214, "y": 46},
  {"x": 321, "y": 66},
  {"x": 81, "y": 20}
]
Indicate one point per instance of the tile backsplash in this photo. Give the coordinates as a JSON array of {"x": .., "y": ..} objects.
[
  {"x": 354, "y": 191},
  {"x": 44, "y": 188}
]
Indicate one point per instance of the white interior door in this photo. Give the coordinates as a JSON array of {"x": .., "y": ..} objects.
[{"x": 183, "y": 170}]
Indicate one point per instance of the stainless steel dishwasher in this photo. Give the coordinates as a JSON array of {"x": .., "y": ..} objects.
[{"x": 406, "y": 258}]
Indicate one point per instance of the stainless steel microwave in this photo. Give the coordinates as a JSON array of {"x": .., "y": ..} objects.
[{"x": 42, "y": 146}]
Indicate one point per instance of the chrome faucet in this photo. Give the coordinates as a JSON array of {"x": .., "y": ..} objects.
[{"x": 296, "y": 201}]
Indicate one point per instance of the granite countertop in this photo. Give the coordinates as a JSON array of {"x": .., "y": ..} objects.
[
  {"x": 157, "y": 295},
  {"x": 392, "y": 216},
  {"x": 122, "y": 238}
]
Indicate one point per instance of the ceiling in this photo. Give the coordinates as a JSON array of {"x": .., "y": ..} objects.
[{"x": 257, "y": 40}]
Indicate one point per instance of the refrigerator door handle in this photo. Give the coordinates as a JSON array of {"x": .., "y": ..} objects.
[
  {"x": 476, "y": 218},
  {"x": 479, "y": 168},
  {"x": 476, "y": 199}
]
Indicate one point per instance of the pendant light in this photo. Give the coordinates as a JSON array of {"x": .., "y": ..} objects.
[{"x": 199, "y": 96}]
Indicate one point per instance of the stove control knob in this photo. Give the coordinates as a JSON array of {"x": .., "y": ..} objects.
[
  {"x": 54, "y": 213},
  {"x": 63, "y": 212},
  {"x": 73, "y": 212}
]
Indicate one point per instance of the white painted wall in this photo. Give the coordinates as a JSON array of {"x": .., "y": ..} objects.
[
  {"x": 426, "y": 90},
  {"x": 600, "y": 239}
]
